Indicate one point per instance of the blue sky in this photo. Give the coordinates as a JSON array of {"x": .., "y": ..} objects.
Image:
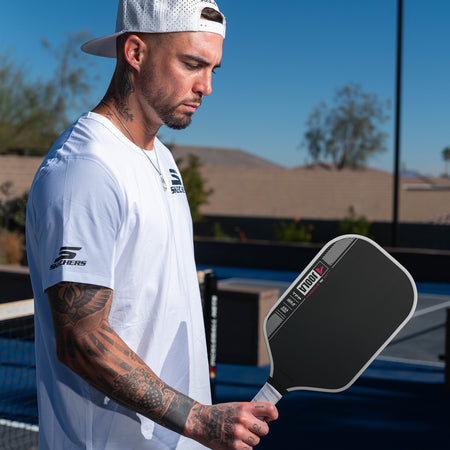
[{"x": 279, "y": 63}]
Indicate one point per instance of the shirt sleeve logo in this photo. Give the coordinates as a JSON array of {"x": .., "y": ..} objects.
[{"x": 66, "y": 257}]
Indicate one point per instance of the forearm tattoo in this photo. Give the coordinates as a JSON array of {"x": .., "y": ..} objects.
[{"x": 90, "y": 347}]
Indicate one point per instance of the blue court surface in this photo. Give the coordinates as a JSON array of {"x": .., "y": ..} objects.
[
  {"x": 392, "y": 406},
  {"x": 398, "y": 403}
]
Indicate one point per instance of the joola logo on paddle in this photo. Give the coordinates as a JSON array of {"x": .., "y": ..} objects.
[
  {"x": 177, "y": 185},
  {"x": 67, "y": 257},
  {"x": 312, "y": 278}
]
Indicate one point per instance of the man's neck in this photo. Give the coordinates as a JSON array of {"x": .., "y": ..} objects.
[{"x": 129, "y": 120}]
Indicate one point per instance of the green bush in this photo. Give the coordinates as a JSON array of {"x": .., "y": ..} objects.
[
  {"x": 13, "y": 213},
  {"x": 11, "y": 247},
  {"x": 293, "y": 231},
  {"x": 353, "y": 224},
  {"x": 218, "y": 232}
]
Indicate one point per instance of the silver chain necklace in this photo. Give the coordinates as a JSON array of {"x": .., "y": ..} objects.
[{"x": 158, "y": 169}]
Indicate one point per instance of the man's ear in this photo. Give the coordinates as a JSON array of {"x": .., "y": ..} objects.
[{"x": 133, "y": 51}]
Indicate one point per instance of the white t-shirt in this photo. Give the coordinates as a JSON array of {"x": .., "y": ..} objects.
[{"x": 98, "y": 214}]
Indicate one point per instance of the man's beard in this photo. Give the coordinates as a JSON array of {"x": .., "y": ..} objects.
[
  {"x": 168, "y": 114},
  {"x": 172, "y": 120}
]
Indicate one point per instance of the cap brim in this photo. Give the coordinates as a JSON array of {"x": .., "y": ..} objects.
[{"x": 103, "y": 46}]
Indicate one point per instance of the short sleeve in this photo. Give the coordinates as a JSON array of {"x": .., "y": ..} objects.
[{"x": 76, "y": 209}]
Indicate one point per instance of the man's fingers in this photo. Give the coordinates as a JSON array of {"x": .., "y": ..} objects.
[
  {"x": 230, "y": 426},
  {"x": 265, "y": 410},
  {"x": 260, "y": 429},
  {"x": 252, "y": 440}
]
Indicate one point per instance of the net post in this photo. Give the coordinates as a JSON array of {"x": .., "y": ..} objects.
[
  {"x": 208, "y": 284},
  {"x": 447, "y": 353}
]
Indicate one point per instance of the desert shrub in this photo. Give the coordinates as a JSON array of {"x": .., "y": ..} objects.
[
  {"x": 353, "y": 224},
  {"x": 293, "y": 231},
  {"x": 11, "y": 247}
]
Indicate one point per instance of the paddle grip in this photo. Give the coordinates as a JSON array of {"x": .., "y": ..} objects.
[{"x": 267, "y": 394}]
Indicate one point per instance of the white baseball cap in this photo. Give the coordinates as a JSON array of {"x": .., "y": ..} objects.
[{"x": 156, "y": 16}]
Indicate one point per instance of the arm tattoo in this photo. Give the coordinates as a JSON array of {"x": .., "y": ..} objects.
[{"x": 90, "y": 347}]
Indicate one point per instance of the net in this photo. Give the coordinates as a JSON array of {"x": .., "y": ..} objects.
[
  {"x": 18, "y": 402},
  {"x": 18, "y": 396}
]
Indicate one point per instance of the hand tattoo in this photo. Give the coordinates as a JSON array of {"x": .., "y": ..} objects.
[
  {"x": 214, "y": 423},
  {"x": 256, "y": 428}
]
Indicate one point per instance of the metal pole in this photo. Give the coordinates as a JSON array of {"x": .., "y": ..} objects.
[
  {"x": 447, "y": 353},
  {"x": 397, "y": 124}
]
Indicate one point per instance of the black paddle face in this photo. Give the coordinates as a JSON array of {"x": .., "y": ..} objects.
[{"x": 337, "y": 316}]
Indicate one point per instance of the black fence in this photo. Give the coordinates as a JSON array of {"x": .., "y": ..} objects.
[
  {"x": 410, "y": 235},
  {"x": 424, "y": 265}
]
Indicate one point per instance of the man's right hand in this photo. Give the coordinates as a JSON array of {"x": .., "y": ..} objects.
[{"x": 225, "y": 426}]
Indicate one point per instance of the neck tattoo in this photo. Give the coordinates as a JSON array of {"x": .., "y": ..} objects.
[{"x": 157, "y": 168}]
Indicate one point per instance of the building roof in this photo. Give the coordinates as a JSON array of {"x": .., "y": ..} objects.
[
  {"x": 319, "y": 194},
  {"x": 245, "y": 185},
  {"x": 222, "y": 157}
]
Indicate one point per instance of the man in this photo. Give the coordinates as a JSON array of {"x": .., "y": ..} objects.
[{"x": 120, "y": 348}]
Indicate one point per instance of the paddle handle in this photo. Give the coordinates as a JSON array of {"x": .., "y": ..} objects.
[{"x": 267, "y": 394}]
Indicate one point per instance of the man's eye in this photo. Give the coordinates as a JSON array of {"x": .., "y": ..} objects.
[{"x": 192, "y": 66}]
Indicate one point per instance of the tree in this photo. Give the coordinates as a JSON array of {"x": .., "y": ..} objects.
[
  {"x": 347, "y": 133},
  {"x": 33, "y": 113},
  {"x": 71, "y": 85},
  {"x": 196, "y": 191},
  {"x": 194, "y": 183},
  {"x": 25, "y": 117},
  {"x": 446, "y": 158}
]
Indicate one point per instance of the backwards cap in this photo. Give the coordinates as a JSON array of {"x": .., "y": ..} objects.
[{"x": 156, "y": 16}]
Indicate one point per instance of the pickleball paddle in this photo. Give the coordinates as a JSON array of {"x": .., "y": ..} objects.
[{"x": 335, "y": 318}]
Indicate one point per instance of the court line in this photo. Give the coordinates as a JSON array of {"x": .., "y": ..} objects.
[
  {"x": 411, "y": 361},
  {"x": 431, "y": 309}
]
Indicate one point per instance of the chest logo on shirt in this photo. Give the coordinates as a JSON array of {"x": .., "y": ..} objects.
[
  {"x": 177, "y": 185},
  {"x": 67, "y": 257}
]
